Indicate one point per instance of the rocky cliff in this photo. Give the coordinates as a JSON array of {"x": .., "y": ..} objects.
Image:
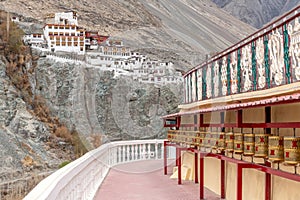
[{"x": 256, "y": 12}]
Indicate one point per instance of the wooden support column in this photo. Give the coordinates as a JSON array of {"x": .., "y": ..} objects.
[
  {"x": 268, "y": 183},
  {"x": 239, "y": 118},
  {"x": 268, "y": 118},
  {"x": 223, "y": 193},
  {"x": 201, "y": 120},
  {"x": 201, "y": 176},
  {"x": 165, "y": 158},
  {"x": 222, "y": 117},
  {"x": 179, "y": 165},
  {"x": 177, "y": 155},
  {"x": 196, "y": 167},
  {"x": 239, "y": 184}
]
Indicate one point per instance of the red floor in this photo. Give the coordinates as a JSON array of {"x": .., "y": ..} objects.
[{"x": 144, "y": 180}]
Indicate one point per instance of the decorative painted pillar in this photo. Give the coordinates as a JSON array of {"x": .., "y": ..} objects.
[
  {"x": 196, "y": 84},
  {"x": 203, "y": 83},
  {"x": 220, "y": 78},
  {"x": 228, "y": 76},
  {"x": 286, "y": 54},
  {"x": 239, "y": 70},
  {"x": 188, "y": 88},
  {"x": 212, "y": 80},
  {"x": 266, "y": 60},
  {"x": 191, "y": 87},
  {"x": 254, "y": 71}
]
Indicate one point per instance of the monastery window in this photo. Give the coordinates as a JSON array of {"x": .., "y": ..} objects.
[
  {"x": 72, "y": 34},
  {"x": 69, "y": 43},
  {"x": 51, "y": 38},
  {"x": 73, "y": 27},
  {"x": 55, "y": 33},
  {"x": 75, "y": 44},
  {"x": 81, "y": 43},
  {"x": 66, "y": 34},
  {"x": 61, "y": 33},
  {"x": 63, "y": 44},
  {"x": 55, "y": 27},
  {"x": 81, "y": 48}
]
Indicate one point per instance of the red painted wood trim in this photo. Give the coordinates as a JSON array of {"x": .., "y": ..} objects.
[
  {"x": 179, "y": 166},
  {"x": 268, "y": 184},
  {"x": 165, "y": 158},
  {"x": 196, "y": 167},
  {"x": 201, "y": 185},
  {"x": 223, "y": 192},
  {"x": 239, "y": 184}
]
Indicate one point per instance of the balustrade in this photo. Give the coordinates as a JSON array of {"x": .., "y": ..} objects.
[{"x": 81, "y": 178}]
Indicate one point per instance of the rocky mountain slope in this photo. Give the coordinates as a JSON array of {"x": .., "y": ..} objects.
[
  {"x": 184, "y": 31},
  {"x": 256, "y": 12}
]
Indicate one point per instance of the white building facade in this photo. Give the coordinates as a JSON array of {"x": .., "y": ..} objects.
[{"x": 64, "y": 34}]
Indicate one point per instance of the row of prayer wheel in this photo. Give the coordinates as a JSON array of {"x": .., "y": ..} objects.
[{"x": 275, "y": 148}]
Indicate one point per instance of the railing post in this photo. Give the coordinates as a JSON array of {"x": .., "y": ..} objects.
[
  {"x": 223, "y": 179},
  {"x": 165, "y": 158},
  {"x": 201, "y": 185},
  {"x": 196, "y": 167},
  {"x": 179, "y": 166},
  {"x": 239, "y": 192}
]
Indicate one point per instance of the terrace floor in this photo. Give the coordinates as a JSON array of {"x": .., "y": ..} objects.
[{"x": 144, "y": 180}]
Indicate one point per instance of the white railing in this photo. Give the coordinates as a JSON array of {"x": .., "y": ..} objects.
[{"x": 81, "y": 178}]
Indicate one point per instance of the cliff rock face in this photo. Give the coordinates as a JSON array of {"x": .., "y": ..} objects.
[
  {"x": 27, "y": 147},
  {"x": 94, "y": 101},
  {"x": 256, "y": 12}
]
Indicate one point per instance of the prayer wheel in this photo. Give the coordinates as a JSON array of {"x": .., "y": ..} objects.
[
  {"x": 221, "y": 141},
  {"x": 214, "y": 140},
  {"x": 208, "y": 140},
  {"x": 291, "y": 150},
  {"x": 201, "y": 139},
  {"x": 261, "y": 145},
  {"x": 238, "y": 143},
  {"x": 248, "y": 144},
  {"x": 229, "y": 142},
  {"x": 276, "y": 149},
  {"x": 196, "y": 139}
]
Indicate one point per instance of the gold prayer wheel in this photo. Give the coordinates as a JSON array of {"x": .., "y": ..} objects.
[
  {"x": 221, "y": 141},
  {"x": 238, "y": 143},
  {"x": 201, "y": 139},
  {"x": 248, "y": 144},
  {"x": 229, "y": 142},
  {"x": 276, "y": 149},
  {"x": 291, "y": 150},
  {"x": 261, "y": 145},
  {"x": 208, "y": 140}
]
